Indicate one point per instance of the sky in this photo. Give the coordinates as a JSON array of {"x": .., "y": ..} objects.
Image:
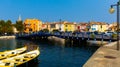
[{"x": 54, "y": 10}]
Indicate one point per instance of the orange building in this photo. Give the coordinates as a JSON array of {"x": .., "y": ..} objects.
[{"x": 32, "y": 25}]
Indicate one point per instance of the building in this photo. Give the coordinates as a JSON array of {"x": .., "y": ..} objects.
[
  {"x": 98, "y": 26},
  {"x": 59, "y": 26},
  {"x": 69, "y": 27},
  {"x": 113, "y": 27},
  {"x": 32, "y": 25},
  {"x": 45, "y": 26},
  {"x": 82, "y": 27},
  {"x": 15, "y": 30}
]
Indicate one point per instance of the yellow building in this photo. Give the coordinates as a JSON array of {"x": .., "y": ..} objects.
[
  {"x": 32, "y": 25},
  {"x": 69, "y": 27},
  {"x": 63, "y": 26}
]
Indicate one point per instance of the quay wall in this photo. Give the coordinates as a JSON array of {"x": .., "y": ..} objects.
[
  {"x": 105, "y": 56},
  {"x": 56, "y": 39},
  {"x": 7, "y": 37}
]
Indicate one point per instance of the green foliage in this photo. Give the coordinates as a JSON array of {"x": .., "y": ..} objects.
[
  {"x": 9, "y": 26},
  {"x": 92, "y": 35},
  {"x": 45, "y": 30},
  {"x": 114, "y": 35},
  {"x": 55, "y": 30},
  {"x": 6, "y": 27},
  {"x": 19, "y": 25}
]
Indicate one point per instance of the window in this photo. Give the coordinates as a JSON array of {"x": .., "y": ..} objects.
[
  {"x": 93, "y": 28},
  {"x": 66, "y": 25}
]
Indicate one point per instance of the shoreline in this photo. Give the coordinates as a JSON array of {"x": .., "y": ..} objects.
[
  {"x": 105, "y": 56},
  {"x": 7, "y": 37}
]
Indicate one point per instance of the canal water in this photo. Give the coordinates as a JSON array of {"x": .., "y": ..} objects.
[{"x": 54, "y": 54}]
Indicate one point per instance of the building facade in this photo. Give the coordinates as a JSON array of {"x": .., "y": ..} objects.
[
  {"x": 69, "y": 27},
  {"x": 82, "y": 27},
  {"x": 32, "y": 25},
  {"x": 98, "y": 26},
  {"x": 46, "y": 26}
]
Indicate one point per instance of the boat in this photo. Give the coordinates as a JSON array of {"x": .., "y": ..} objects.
[
  {"x": 11, "y": 53},
  {"x": 20, "y": 59}
]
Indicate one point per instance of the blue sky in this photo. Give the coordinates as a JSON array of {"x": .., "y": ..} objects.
[{"x": 53, "y": 10}]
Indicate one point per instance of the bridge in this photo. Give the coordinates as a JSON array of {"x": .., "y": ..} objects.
[{"x": 71, "y": 36}]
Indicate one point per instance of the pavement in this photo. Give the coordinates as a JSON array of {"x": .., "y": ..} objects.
[{"x": 105, "y": 56}]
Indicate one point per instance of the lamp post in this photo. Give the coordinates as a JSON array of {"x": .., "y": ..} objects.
[{"x": 112, "y": 11}]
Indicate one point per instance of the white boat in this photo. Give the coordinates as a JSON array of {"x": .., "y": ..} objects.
[
  {"x": 19, "y": 59},
  {"x": 11, "y": 53}
]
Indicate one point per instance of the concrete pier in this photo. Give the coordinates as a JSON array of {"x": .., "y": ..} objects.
[
  {"x": 57, "y": 39},
  {"x": 105, "y": 56},
  {"x": 7, "y": 37}
]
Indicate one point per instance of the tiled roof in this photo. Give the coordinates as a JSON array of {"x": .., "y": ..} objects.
[{"x": 98, "y": 23}]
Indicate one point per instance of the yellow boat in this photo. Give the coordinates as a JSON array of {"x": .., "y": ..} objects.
[
  {"x": 19, "y": 59},
  {"x": 11, "y": 53}
]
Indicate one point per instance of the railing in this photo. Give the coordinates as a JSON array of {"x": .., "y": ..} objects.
[{"x": 72, "y": 35}]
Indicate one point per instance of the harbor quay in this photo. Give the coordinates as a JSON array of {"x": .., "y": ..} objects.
[
  {"x": 7, "y": 37},
  {"x": 61, "y": 53},
  {"x": 105, "y": 56},
  {"x": 60, "y": 33}
]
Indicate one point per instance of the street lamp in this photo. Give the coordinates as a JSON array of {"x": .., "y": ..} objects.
[{"x": 112, "y": 11}]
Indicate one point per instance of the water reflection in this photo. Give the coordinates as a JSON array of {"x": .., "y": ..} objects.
[
  {"x": 97, "y": 43},
  {"x": 55, "y": 53},
  {"x": 7, "y": 44}
]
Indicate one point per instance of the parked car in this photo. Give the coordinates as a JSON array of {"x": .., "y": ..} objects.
[{"x": 108, "y": 33}]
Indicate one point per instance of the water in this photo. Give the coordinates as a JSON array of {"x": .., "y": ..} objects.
[{"x": 54, "y": 54}]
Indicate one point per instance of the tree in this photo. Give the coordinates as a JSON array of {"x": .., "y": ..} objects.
[
  {"x": 9, "y": 27},
  {"x": 19, "y": 25},
  {"x": 55, "y": 30},
  {"x": 2, "y": 25},
  {"x": 6, "y": 27},
  {"x": 45, "y": 30}
]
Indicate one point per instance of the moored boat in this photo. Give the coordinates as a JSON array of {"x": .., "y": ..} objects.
[
  {"x": 10, "y": 53},
  {"x": 20, "y": 59}
]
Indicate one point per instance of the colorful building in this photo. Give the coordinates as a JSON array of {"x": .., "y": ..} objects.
[
  {"x": 55, "y": 26},
  {"x": 98, "y": 26},
  {"x": 63, "y": 26},
  {"x": 46, "y": 26},
  {"x": 32, "y": 25},
  {"x": 60, "y": 26},
  {"x": 69, "y": 27},
  {"x": 82, "y": 27},
  {"x": 112, "y": 27}
]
